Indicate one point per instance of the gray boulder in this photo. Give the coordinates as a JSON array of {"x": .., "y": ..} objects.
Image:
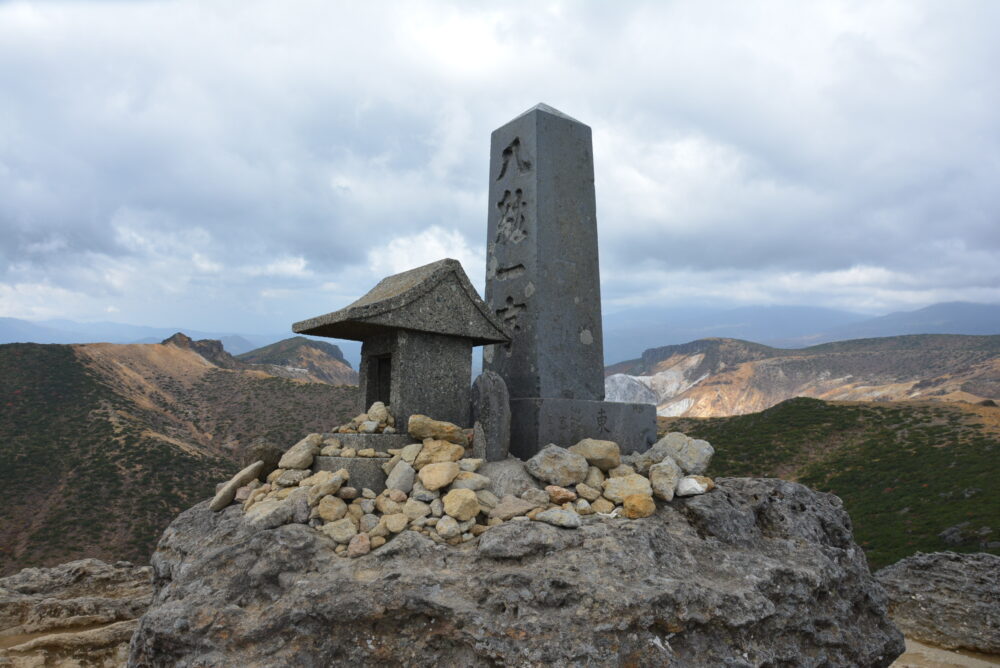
[
  {"x": 491, "y": 410},
  {"x": 558, "y": 466},
  {"x": 508, "y": 477},
  {"x": 758, "y": 572},
  {"x": 692, "y": 455},
  {"x": 946, "y": 599}
]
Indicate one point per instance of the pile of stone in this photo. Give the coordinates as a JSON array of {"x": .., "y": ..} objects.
[
  {"x": 377, "y": 420},
  {"x": 435, "y": 489}
]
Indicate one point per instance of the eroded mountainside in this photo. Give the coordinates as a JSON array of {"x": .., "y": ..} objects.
[
  {"x": 304, "y": 358},
  {"x": 718, "y": 377},
  {"x": 103, "y": 444}
]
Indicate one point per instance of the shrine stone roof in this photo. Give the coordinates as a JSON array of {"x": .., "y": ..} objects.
[{"x": 436, "y": 298}]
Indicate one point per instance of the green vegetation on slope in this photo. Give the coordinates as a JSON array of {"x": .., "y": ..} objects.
[
  {"x": 79, "y": 479},
  {"x": 87, "y": 471},
  {"x": 237, "y": 407},
  {"x": 906, "y": 472}
]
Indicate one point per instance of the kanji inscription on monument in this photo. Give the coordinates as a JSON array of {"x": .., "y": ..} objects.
[{"x": 543, "y": 283}]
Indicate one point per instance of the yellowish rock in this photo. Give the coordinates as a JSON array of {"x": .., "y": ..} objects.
[
  {"x": 377, "y": 541},
  {"x": 330, "y": 485},
  {"x": 461, "y": 504},
  {"x": 331, "y": 508},
  {"x": 617, "y": 488},
  {"x": 605, "y": 455},
  {"x": 602, "y": 505},
  {"x": 317, "y": 478},
  {"x": 621, "y": 471},
  {"x": 560, "y": 495},
  {"x": 410, "y": 452},
  {"x": 396, "y": 522},
  {"x": 436, "y": 476},
  {"x": 366, "y": 452},
  {"x": 595, "y": 477},
  {"x": 355, "y": 512},
  {"x": 436, "y": 451},
  {"x": 341, "y": 531},
  {"x": 387, "y": 506},
  {"x": 421, "y": 427},
  {"x": 585, "y": 491},
  {"x": 638, "y": 505},
  {"x": 414, "y": 509},
  {"x": 348, "y": 452},
  {"x": 388, "y": 466}
]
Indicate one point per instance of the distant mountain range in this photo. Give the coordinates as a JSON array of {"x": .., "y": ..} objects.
[
  {"x": 721, "y": 377},
  {"x": 628, "y": 333}
]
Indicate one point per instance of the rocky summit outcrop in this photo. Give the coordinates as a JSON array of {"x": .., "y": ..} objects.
[
  {"x": 755, "y": 572},
  {"x": 946, "y": 599},
  {"x": 81, "y": 613}
]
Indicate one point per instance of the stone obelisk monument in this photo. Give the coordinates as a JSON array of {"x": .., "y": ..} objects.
[{"x": 543, "y": 282}]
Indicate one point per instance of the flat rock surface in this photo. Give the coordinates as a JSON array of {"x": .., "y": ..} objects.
[
  {"x": 755, "y": 572},
  {"x": 81, "y": 613},
  {"x": 946, "y": 599}
]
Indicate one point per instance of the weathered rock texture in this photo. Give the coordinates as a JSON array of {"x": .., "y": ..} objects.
[
  {"x": 81, "y": 613},
  {"x": 757, "y": 572},
  {"x": 946, "y": 599}
]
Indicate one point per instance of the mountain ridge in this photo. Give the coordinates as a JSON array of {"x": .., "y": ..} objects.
[{"x": 716, "y": 377}]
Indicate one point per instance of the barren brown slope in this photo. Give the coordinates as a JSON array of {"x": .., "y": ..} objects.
[
  {"x": 299, "y": 357},
  {"x": 718, "y": 377},
  {"x": 103, "y": 444}
]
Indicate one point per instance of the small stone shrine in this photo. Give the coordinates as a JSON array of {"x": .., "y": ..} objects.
[
  {"x": 417, "y": 331},
  {"x": 543, "y": 282}
]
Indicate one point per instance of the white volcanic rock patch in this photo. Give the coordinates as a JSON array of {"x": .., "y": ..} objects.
[
  {"x": 660, "y": 388},
  {"x": 629, "y": 389}
]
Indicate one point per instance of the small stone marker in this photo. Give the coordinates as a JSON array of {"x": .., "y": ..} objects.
[
  {"x": 543, "y": 283},
  {"x": 491, "y": 409}
]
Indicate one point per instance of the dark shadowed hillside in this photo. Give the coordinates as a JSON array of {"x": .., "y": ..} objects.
[
  {"x": 103, "y": 444},
  {"x": 914, "y": 476}
]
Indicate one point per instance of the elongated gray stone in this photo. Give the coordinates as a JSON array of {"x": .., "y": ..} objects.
[
  {"x": 227, "y": 493},
  {"x": 491, "y": 409}
]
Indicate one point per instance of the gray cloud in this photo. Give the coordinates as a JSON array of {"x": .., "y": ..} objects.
[{"x": 240, "y": 168}]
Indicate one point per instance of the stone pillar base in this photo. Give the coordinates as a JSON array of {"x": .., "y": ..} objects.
[
  {"x": 365, "y": 471},
  {"x": 534, "y": 423}
]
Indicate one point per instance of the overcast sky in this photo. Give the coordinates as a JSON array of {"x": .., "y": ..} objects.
[{"x": 240, "y": 165}]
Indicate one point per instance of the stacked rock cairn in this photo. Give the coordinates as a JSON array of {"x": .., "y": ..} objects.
[{"x": 434, "y": 489}]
